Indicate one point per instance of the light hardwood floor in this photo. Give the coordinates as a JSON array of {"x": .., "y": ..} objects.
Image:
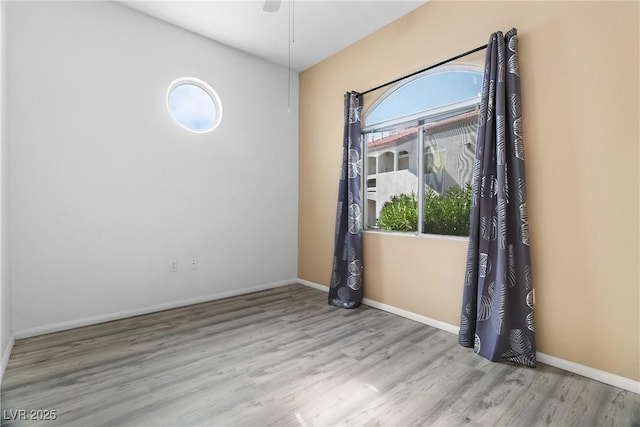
[{"x": 285, "y": 357}]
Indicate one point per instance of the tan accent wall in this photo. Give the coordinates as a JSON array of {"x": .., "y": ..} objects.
[{"x": 579, "y": 71}]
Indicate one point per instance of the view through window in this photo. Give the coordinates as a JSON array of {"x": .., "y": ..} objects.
[
  {"x": 194, "y": 105},
  {"x": 419, "y": 142}
]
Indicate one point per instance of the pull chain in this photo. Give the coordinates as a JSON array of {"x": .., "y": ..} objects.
[{"x": 290, "y": 41}]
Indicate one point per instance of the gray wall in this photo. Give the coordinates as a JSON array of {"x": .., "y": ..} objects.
[
  {"x": 6, "y": 328},
  {"x": 105, "y": 189}
]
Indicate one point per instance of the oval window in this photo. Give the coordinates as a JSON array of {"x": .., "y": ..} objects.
[{"x": 194, "y": 105}]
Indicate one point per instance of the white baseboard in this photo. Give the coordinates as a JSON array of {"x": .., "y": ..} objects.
[
  {"x": 62, "y": 326},
  {"x": 412, "y": 316},
  {"x": 5, "y": 356},
  {"x": 393, "y": 310},
  {"x": 586, "y": 371},
  {"x": 313, "y": 285},
  {"x": 576, "y": 368}
]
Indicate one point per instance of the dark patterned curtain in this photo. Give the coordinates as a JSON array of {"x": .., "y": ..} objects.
[
  {"x": 346, "y": 277},
  {"x": 497, "y": 307}
]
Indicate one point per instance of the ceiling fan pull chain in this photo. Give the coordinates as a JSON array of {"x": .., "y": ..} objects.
[{"x": 289, "y": 70}]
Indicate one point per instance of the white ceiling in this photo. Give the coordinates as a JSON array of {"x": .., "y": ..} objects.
[{"x": 320, "y": 28}]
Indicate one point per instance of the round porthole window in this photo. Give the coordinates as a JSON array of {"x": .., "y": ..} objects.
[{"x": 194, "y": 105}]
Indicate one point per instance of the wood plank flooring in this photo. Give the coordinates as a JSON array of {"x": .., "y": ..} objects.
[{"x": 283, "y": 357}]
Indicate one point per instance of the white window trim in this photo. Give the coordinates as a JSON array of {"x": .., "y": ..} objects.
[
  {"x": 208, "y": 89},
  {"x": 418, "y": 120}
]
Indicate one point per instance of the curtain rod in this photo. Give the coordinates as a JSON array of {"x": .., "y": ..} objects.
[{"x": 477, "y": 49}]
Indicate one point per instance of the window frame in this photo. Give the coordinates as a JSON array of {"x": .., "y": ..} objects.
[
  {"x": 215, "y": 98},
  {"x": 419, "y": 120}
]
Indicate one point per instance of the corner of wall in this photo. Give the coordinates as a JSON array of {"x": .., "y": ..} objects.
[
  {"x": 6, "y": 326},
  {"x": 6, "y": 353},
  {"x": 193, "y": 218}
]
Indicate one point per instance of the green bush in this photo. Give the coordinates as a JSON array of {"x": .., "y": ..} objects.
[
  {"x": 447, "y": 214},
  {"x": 399, "y": 214}
]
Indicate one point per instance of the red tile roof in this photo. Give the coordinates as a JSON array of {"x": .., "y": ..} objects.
[
  {"x": 393, "y": 137},
  {"x": 403, "y": 133}
]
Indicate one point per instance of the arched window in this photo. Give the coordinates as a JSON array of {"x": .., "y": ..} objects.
[
  {"x": 403, "y": 160},
  {"x": 385, "y": 162},
  {"x": 431, "y": 123},
  {"x": 427, "y": 93}
]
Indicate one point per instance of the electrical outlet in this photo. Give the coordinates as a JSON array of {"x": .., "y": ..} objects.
[
  {"x": 194, "y": 264},
  {"x": 173, "y": 266}
]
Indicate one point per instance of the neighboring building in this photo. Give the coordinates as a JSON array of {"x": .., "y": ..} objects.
[{"x": 392, "y": 161}]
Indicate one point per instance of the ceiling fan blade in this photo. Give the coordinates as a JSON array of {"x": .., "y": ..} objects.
[{"x": 271, "y": 5}]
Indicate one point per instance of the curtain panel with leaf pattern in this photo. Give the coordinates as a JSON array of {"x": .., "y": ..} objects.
[
  {"x": 346, "y": 278},
  {"x": 497, "y": 308}
]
